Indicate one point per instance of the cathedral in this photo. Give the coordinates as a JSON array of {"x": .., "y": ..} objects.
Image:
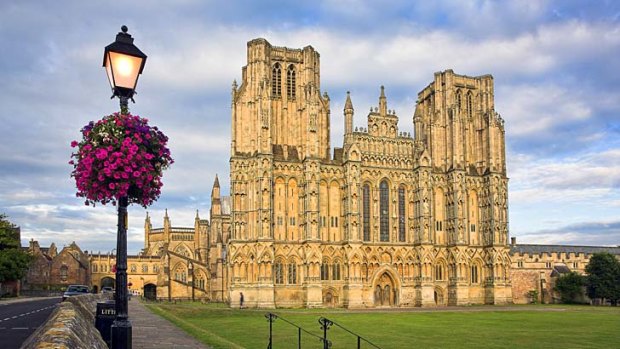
[{"x": 386, "y": 220}]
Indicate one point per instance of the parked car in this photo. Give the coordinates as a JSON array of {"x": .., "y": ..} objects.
[
  {"x": 107, "y": 290},
  {"x": 75, "y": 290}
]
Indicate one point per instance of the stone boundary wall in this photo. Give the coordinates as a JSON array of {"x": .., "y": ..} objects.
[{"x": 70, "y": 326}]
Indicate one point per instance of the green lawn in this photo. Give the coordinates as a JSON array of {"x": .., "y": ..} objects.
[{"x": 541, "y": 326}]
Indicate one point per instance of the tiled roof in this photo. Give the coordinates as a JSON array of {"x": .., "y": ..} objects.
[{"x": 537, "y": 249}]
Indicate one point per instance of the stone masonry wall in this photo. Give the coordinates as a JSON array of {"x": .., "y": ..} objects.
[{"x": 70, "y": 326}]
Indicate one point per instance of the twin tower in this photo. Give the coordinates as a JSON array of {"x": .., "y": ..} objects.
[{"x": 385, "y": 220}]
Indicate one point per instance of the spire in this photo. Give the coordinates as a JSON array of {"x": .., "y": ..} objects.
[
  {"x": 348, "y": 114},
  {"x": 166, "y": 215},
  {"x": 382, "y": 102},
  {"x": 348, "y": 105},
  {"x": 217, "y": 182},
  {"x": 197, "y": 216}
]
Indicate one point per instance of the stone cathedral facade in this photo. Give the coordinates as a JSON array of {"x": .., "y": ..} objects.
[{"x": 387, "y": 219}]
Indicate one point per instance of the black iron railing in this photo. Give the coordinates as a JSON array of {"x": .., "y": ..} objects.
[
  {"x": 325, "y": 326},
  {"x": 327, "y": 323},
  {"x": 272, "y": 318}
]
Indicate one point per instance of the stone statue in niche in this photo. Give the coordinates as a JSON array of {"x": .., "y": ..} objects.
[{"x": 313, "y": 122}]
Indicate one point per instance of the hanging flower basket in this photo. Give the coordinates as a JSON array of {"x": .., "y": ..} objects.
[{"x": 120, "y": 155}]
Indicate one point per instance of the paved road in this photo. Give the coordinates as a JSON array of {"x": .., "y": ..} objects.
[{"x": 19, "y": 319}]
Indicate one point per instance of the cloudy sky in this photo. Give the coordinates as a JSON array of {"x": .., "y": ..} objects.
[{"x": 557, "y": 82}]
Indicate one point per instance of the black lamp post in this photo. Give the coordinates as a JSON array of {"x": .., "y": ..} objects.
[{"x": 124, "y": 62}]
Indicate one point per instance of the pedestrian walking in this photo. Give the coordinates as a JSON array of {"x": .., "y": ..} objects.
[{"x": 240, "y": 300}]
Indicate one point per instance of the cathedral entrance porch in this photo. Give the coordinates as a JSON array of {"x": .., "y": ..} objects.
[{"x": 385, "y": 291}]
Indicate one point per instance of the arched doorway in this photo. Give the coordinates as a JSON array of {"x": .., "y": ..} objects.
[
  {"x": 150, "y": 292},
  {"x": 384, "y": 291},
  {"x": 438, "y": 296},
  {"x": 107, "y": 282}
]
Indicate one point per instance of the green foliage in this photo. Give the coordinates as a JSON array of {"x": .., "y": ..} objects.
[
  {"x": 13, "y": 261},
  {"x": 570, "y": 287},
  {"x": 603, "y": 279},
  {"x": 9, "y": 235},
  {"x": 533, "y": 296},
  {"x": 14, "y": 264},
  {"x": 477, "y": 327}
]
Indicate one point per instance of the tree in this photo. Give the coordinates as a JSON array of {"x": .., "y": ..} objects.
[
  {"x": 13, "y": 261},
  {"x": 570, "y": 286},
  {"x": 603, "y": 279}
]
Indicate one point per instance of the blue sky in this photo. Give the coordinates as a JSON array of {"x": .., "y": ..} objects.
[{"x": 555, "y": 64}]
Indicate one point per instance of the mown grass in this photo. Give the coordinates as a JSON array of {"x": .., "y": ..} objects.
[{"x": 474, "y": 327}]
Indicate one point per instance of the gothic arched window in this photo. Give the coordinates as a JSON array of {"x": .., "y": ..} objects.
[
  {"x": 325, "y": 271},
  {"x": 290, "y": 82},
  {"x": 470, "y": 104},
  {"x": 366, "y": 211},
  {"x": 336, "y": 271},
  {"x": 401, "y": 214},
  {"x": 474, "y": 274},
  {"x": 276, "y": 81},
  {"x": 278, "y": 272},
  {"x": 459, "y": 100},
  {"x": 292, "y": 273},
  {"x": 384, "y": 211}
]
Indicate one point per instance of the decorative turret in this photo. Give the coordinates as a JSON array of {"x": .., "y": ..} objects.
[
  {"x": 166, "y": 227},
  {"x": 348, "y": 115},
  {"x": 216, "y": 204},
  {"x": 382, "y": 102},
  {"x": 147, "y": 230}
]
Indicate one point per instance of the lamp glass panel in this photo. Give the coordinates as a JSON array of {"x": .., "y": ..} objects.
[{"x": 126, "y": 69}]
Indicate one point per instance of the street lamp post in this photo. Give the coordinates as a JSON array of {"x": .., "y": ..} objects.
[{"x": 123, "y": 62}]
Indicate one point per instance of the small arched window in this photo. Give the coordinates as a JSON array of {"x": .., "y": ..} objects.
[
  {"x": 384, "y": 211},
  {"x": 438, "y": 272},
  {"x": 64, "y": 272},
  {"x": 133, "y": 268},
  {"x": 290, "y": 82},
  {"x": 145, "y": 268},
  {"x": 366, "y": 211},
  {"x": 470, "y": 104},
  {"x": 459, "y": 100},
  {"x": 94, "y": 268},
  {"x": 276, "y": 81}
]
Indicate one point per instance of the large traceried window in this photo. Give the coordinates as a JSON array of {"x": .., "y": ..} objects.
[
  {"x": 384, "y": 211},
  {"x": 290, "y": 82},
  {"x": 278, "y": 272},
  {"x": 366, "y": 211},
  {"x": 401, "y": 214},
  {"x": 276, "y": 81}
]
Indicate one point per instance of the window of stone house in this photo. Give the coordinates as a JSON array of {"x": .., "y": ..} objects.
[
  {"x": 548, "y": 265},
  {"x": 520, "y": 264},
  {"x": 133, "y": 268},
  {"x": 64, "y": 272},
  {"x": 94, "y": 268},
  {"x": 145, "y": 268},
  {"x": 156, "y": 268}
]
